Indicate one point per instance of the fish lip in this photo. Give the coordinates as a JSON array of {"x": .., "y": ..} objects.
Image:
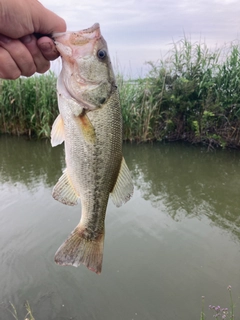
[
  {"x": 93, "y": 28},
  {"x": 59, "y": 34}
]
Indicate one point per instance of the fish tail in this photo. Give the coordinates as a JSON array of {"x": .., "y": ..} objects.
[{"x": 82, "y": 248}]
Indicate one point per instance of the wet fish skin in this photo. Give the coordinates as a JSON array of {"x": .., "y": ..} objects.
[{"x": 90, "y": 125}]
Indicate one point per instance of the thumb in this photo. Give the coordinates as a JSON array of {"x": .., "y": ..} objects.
[{"x": 45, "y": 21}]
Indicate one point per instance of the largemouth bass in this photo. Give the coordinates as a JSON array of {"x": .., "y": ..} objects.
[{"x": 90, "y": 125}]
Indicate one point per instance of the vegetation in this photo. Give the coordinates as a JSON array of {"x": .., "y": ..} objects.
[
  {"x": 218, "y": 312},
  {"x": 28, "y": 105},
  {"x": 193, "y": 95},
  {"x": 29, "y": 315}
]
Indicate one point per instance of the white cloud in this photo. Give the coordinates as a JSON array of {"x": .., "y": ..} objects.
[{"x": 139, "y": 30}]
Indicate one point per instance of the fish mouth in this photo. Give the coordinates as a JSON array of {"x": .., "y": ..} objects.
[
  {"x": 89, "y": 33},
  {"x": 92, "y": 28}
]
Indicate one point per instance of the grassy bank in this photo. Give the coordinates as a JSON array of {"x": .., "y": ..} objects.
[
  {"x": 193, "y": 95},
  {"x": 28, "y": 105}
]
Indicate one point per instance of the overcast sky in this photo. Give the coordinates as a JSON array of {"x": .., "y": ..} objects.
[{"x": 141, "y": 30}]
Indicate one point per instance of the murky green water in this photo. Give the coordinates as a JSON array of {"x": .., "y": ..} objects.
[{"x": 177, "y": 240}]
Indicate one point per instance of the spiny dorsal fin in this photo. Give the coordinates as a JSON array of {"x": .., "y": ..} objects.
[
  {"x": 123, "y": 188},
  {"x": 64, "y": 191},
  {"x": 57, "y": 133}
]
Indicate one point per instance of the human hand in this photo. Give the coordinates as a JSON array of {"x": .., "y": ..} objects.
[{"x": 21, "y": 53}]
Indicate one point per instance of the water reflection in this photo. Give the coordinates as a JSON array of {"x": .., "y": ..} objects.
[
  {"x": 161, "y": 255},
  {"x": 29, "y": 162},
  {"x": 188, "y": 180}
]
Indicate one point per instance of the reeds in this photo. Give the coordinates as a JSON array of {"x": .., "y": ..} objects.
[
  {"x": 193, "y": 94},
  {"x": 28, "y": 316},
  {"x": 28, "y": 105}
]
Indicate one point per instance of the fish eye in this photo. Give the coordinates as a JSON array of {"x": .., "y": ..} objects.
[{"x": 101, "y": 54}]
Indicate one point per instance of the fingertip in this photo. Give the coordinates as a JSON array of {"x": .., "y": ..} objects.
[
  {"x": 44, "y": 68},
  {"x": 47, "y": 48},
  {"x": 62, "y": 25},
  {"x": 15, "y": 74},
  {"x": 30, "y": 72},
  {"x": 47, "y": 22}
]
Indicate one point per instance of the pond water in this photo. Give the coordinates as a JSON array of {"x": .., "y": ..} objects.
[{"x": 176, "y": 240}]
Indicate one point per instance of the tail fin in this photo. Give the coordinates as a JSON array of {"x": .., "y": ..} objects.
[{"x": 80, "y": 248}]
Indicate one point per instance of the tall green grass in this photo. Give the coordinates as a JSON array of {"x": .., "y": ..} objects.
[
  {"x": 193, "y": 94},
  {"x": 28, "y": 105}
]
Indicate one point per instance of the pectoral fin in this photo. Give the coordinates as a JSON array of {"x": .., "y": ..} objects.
[
  {"x": 123, "y": 188},
  {"x": 87, "y": 128},
  {"x": 64, "y": 191},
  {"x": 57, "y": 133}
]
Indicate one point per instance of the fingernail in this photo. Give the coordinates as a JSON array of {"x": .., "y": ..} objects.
[
  {"x": 45, "y": 46},
  {"x": 26, "y": 39},
  {"x": 4, "y": 39}
]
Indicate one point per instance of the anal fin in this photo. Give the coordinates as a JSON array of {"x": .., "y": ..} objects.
[
  {"x": 64, "y": 191},
  {"x": 123, "y": 188}
]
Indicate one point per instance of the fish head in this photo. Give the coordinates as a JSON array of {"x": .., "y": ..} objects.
[{"x": 87, "y": 72}]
